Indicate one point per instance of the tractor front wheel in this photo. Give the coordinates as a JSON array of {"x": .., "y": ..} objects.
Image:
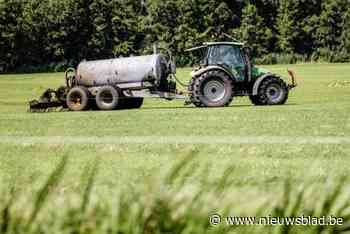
[
  {"x": 272, "y": 91},
  {"x": 211, "y": 89}
]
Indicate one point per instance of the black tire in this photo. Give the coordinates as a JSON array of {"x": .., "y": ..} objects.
[
  {"x": 130, "y": 103},
  {"x": 255, "y": 100},
  {"x": 272, "y": 91},
  {"x": 211, "y": 89},
  {"x": 135, "y": 103},
  {"x": 78, "y": 99},
  {"x": 107, "y": 98}
]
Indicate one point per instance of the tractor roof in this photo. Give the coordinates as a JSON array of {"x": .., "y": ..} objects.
[
  {"x": 207, "y": 44},
  {"x": 224, "y": 43}
]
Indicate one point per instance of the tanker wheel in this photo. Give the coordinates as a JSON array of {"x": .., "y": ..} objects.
[
  {"x": 78, "y": 98},
  {"x": 272, "y": 91},
  {"x": 211, "y": 89},
  {"x": 107, "y": 98}
]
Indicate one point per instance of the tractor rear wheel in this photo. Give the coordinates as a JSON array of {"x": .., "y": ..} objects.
[
  {"x": 78, "y": 98},
  {"x": 107, "y": 98},
  {"x": 211, "y": 89},
  {"x": 272, "y": 91}
]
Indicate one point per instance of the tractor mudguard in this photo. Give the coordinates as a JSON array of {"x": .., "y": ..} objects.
[
  {"x": 258, "y": 82},
  {"x": 212, "y": 67}
]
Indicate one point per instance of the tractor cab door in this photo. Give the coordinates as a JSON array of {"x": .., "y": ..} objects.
[{"x": 229, "y": 57}]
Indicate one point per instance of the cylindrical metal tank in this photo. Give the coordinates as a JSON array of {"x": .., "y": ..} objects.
[{"x": 122, "y": 70}]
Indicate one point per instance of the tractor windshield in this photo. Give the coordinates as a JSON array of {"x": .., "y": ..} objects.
[
  {"x": 225, "y": 55},
  {"x": 230, "y": 57}
]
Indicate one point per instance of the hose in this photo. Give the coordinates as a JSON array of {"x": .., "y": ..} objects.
[{"x": 179, "y": 82}]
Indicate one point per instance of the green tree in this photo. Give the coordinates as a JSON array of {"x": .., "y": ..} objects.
[
  {"x": 297, "y": 24},
  {"x": 330, "y": 28},
  {"x": 101, "y": 40},
  {"x": 126, "y": 31},
  {"x": 43, "y": 30},
  {"x": 79, "y": 26},
  {"x": 254, "y": 32},
  {"x": 344, "y": 48},
  {"x": 37, "y": 32},
  {"x": 160, "y": 23},
  {"x": 220, "y": 20},
  {"x": 11, "y": 33}
]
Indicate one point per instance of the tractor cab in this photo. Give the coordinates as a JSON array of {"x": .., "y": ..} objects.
[{"x": 231, "y": 56}]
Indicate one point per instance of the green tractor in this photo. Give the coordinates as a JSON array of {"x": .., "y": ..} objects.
[{"x": 226, "y": 71}]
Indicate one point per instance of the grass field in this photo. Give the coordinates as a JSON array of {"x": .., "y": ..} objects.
[{"x": 305, "y": 141}]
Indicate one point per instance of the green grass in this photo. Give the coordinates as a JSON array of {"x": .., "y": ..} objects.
[{"x": 318, "y": 108}]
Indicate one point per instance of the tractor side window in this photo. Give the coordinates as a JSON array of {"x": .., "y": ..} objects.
[{"x": 233, "y": 57}]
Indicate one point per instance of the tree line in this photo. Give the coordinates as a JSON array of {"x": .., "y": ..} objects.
[{"x": 40, "y": 35}]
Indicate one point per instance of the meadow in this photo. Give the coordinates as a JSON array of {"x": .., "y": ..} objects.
[{"x": 253, "y": 158}]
